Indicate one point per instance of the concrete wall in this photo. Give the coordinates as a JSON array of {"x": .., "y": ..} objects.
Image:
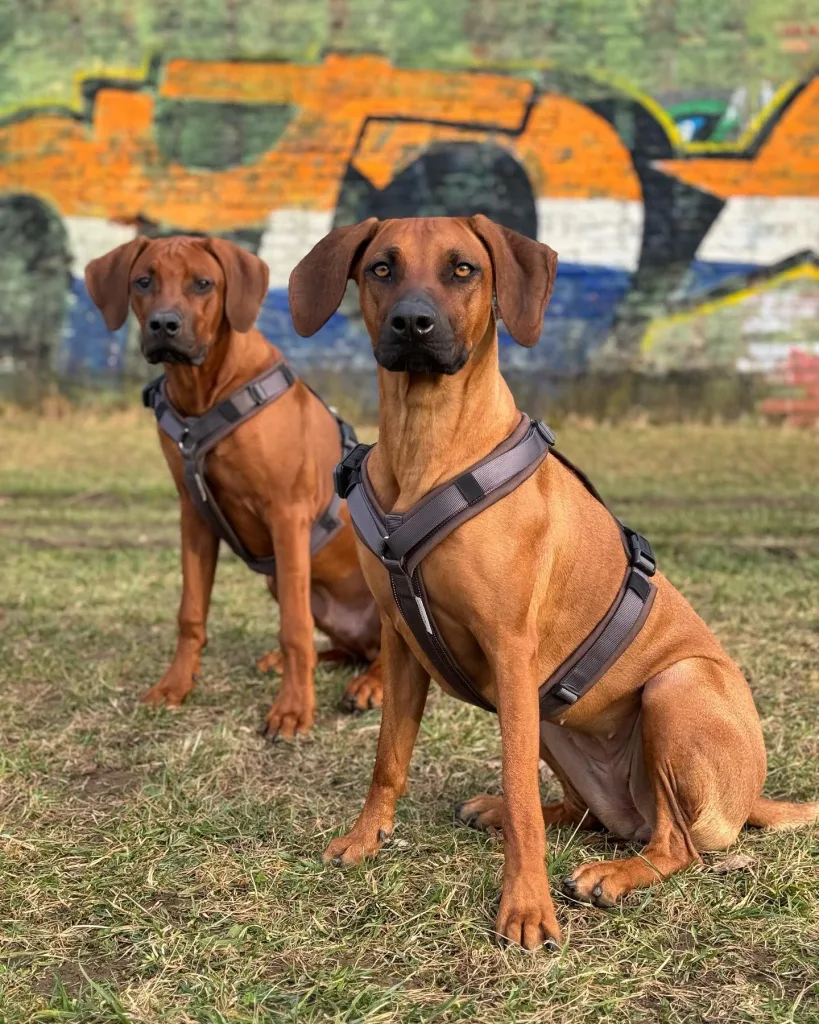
[{"x": 668, "y": 150}]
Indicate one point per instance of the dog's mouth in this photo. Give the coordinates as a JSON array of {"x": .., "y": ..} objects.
[
  {"x": 415, "y": 359},
  {"x": 176, "y": 356}
]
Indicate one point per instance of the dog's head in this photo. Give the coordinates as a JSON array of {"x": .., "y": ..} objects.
[
  {"x": 426, "y": 287},
  {"x": 182, "y": 291}
]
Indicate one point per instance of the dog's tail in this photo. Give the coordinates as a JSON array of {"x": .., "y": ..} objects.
[{"x": 780, "y": 815}]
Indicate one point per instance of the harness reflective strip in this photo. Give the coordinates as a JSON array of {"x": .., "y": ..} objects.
[
  {"x": 423, "y": 613},
  {"x": 196, "y": 436},
  {"x": 396, "y": 540}
]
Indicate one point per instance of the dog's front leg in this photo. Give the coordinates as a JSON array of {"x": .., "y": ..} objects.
[
  {"x": 406, "y": 683},
  {"x": 200, "y": 549},
  {"x": 526, "y": 915},
  {"x": 295, "y": 705}
]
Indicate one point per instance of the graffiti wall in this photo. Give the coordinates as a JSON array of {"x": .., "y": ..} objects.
[{"x": 687, "y": 224}]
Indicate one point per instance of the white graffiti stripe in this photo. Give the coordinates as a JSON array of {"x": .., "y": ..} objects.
[
  {"x": 290, "y": 234},
  {"x": 762, "y": 230},
  {"x": 592, "y": 232},
  {"x": 91, "y": 237}
]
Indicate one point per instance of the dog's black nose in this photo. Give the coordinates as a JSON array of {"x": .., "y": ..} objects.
[
  {"x": 412, "y": 319},
  {"x": 165, "y": 322}
]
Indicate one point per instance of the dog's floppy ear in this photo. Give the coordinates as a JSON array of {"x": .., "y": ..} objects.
[
  {"x": 524, "y": 277},
  {"x": 246, "y": 280},
  {"x": 318, "y": 282},
  {"x": 108, "y": 281}
]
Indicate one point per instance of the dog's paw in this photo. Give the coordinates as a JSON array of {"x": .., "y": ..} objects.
[
  {"x": 362, "y": 693},
  {"x": 270, "y": 662},
  {"x": 354, "y": 848},
  {"x": 285, "y": 720},
  {"x": 526, "y": 916},
  {"x": 482, "y": 812},
  {"x": 603, "y": 882},
  {"x": 171, "y": 690}
]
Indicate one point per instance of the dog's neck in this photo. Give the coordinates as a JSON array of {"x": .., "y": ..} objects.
[
  {"x": 232, "y": 360},
  {"x": 433, "y": 427}
]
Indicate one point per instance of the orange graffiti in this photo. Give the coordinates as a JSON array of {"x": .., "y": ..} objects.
[
  {"x": 567, "y": 151},
  {"x": 571, "y": 152},
  {"x": 366, "y": 86},
  {"x": 786, "y": 165},
  {"x": 387, "y": 148},
  {"x": 112, "y": 168}
]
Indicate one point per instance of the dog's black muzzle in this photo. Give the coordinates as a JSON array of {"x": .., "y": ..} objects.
[
  {"x": 165, "y": 340},
  {"x": 415, "y": 338}
]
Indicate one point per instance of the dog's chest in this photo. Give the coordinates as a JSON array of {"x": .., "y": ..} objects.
[
  {"x": 244, "y": 487},
  {"x": 462, "y": 600}
]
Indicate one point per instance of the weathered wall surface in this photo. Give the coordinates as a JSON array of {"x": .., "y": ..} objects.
[{"x": 668, "y": 150}]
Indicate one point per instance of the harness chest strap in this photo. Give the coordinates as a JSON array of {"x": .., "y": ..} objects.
[
  {"x": 196, "y": 436},
  {"x": 401, "y": 541}
]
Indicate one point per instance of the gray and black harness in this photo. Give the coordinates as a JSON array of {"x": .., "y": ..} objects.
[
  {"x": 196, "y": 436},
  {"x": 402, "y": 541}
]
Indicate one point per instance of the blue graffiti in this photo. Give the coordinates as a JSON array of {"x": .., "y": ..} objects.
[{"x": 579, "y": 317}]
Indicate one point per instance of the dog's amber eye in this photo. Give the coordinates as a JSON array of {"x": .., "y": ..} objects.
[
  {"x": 143, "y": 283},
  {"x": 463, "y": 270},
  {"x": 381, "y": 270},
  {"x": 202, "y": 284}
]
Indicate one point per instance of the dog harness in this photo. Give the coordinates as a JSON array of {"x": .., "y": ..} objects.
[
  {"x": 196, "y": 436},
  {"x": 402, "y": 540}
]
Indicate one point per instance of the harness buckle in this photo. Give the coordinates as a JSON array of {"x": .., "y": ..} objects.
[
  {"x": 150, "y": 391},
  {"x": 545, "y": 432},
  {"x": 394, "y": 564},
  {"x": 186, "y": 448},
  {"x": 386, "y": 554},
  {"x": 256, "y": 393},
  {"x": 346, "y": 473},
  {"x": 642, "y": 555},
  {"x": 349, "y": 441},
  {"x": 389, "y": 563}
]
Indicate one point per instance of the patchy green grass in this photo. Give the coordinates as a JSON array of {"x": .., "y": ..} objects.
[{"x": 160, "y": 866}]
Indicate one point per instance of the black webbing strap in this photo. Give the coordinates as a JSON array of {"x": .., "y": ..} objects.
[
  {"x": 611, "y": 637},
  {"x": 411, "y": 530},
  {"x": 402, "y": 541},
  {"x": 618, "y": 627},
  {"x": 196, "y": 436},
  {"x": 396, "y": 538}
]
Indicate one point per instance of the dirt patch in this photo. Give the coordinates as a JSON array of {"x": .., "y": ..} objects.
[
  {"x": 170, "y": 902},
  {"x": 762, "y": 967},
  {"x": 105, "y": 783},
  {"x": 70, "y": 974}
]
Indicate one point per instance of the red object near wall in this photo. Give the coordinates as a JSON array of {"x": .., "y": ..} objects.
[{"x": 802, "y": 373}]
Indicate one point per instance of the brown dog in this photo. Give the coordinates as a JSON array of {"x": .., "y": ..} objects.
[
  {"x": 666, "y": 748},
  {"x": 196, "y": 301}
]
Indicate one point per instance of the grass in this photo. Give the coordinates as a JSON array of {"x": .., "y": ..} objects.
[{"x": 160, "y": 866}]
